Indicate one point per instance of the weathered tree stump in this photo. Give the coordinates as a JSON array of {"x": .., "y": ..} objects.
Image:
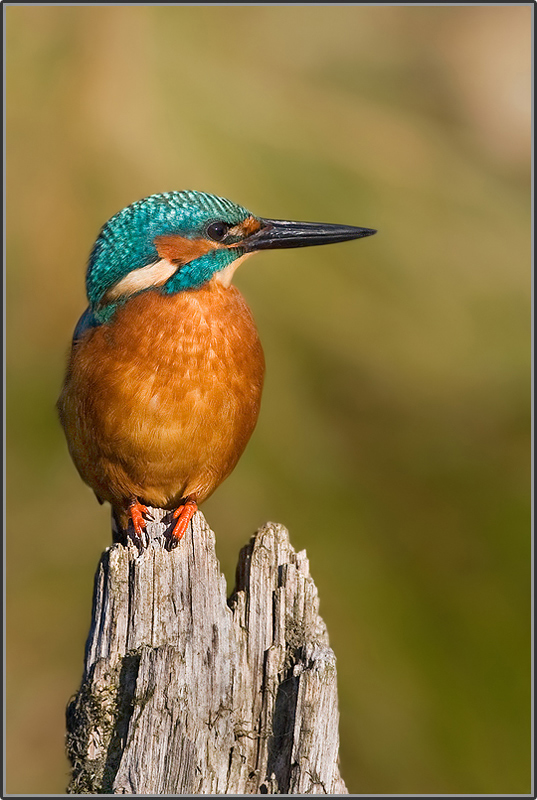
[{"x": 185, "y": 692}]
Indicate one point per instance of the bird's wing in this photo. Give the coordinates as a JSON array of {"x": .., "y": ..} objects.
[{"x": 86, "y": 321}]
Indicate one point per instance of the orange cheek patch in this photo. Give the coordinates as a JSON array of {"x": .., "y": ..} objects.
[
  {"x": 246, "y": 228},
  {"x": 180, "y": 250}
]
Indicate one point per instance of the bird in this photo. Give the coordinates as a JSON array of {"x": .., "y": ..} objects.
[{"x": 165, "y": 373}]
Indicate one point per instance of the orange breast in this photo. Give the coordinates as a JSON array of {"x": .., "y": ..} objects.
[{"x": 161, "y": 402}]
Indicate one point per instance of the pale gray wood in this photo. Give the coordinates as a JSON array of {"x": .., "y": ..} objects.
[{"x": 186, "y": 692}]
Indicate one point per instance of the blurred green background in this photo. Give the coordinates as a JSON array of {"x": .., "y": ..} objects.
[{"x": 393, "y": 440}]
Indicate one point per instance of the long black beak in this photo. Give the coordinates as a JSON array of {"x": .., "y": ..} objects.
[{"x": 278, "y": 233}]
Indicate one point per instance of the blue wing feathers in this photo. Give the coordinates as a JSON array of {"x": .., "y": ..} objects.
[{"x": 86, "y": 321}]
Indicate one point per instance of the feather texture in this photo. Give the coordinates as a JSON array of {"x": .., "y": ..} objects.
[{"x": 160, "y": 402}]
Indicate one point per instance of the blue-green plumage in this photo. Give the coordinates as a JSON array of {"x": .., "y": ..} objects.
[{"x": 198, "y": 272}]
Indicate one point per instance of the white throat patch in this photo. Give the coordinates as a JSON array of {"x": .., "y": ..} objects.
[
  {"x": 225, "y": 276},
  {"x": 143, "y": 278}
]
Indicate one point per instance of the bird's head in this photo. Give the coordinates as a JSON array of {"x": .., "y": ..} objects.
[{"x": 181, "y": 240}]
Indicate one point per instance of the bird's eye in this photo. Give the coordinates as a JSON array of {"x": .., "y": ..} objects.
[{"x": 217, "y": 230}]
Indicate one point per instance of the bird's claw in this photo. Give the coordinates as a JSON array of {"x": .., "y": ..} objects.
[
  {"x": 138, "y": 534},
  {"x": 140, "y": 540},
  {"x": 183, "y": 515}
]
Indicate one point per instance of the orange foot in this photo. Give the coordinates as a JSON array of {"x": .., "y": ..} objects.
[
  {"x": 183, "y": 515},
  {"x": 136, "y": 513}
]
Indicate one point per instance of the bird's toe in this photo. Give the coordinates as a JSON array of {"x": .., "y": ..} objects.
[{"x": 183, "y": 515}]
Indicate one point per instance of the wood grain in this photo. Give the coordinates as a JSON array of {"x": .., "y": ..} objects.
[{"x": 187, "y": 692}]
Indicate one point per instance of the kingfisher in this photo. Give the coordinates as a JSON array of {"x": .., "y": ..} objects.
[{"x": 164, "y": 378}]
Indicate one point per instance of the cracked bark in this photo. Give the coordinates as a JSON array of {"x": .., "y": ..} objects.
[{"x": 186, "y": 692}]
